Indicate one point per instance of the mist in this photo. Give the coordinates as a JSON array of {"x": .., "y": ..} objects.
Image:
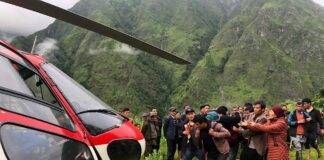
[
  {"x": 124, "y": 48},
  {"x": 320, "y": 2},
  {"x": 47, "y": 46},
  {"x": 19, "y": 21}
]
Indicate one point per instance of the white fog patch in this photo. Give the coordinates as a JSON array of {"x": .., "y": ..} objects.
[
  {"x": 320, "y": 2},
  {"x": 124, "y": 48},
  {"x": 20, "y": 21},
  {"x": 47, "y": 46}
]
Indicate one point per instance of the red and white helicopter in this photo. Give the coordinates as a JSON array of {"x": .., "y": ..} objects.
[{"x": 46, "y": 115}]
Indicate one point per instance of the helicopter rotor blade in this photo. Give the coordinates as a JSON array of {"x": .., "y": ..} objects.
[{"x": 72, "y": 18}]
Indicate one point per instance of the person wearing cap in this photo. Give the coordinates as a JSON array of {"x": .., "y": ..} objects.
[
  {"x": 191, "y": 142},
  {"x": 296, "y": 122},
  {"x": 170, "y": 130},
  {"x": 311, "y": 128},
  {"x": 150, "y": 130},
  {"x": 276, "y": 128},
  {"x": 214, "y": 119},
  {"x": 212, "y": 116}
]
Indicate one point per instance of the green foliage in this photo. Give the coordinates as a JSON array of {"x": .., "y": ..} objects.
[
  {"x": 134, "y": 80},
  {"x": 273, "y": 57},
  {"x": 241, "y": 51},
  {"x": 161, "y": 154},
  {"x": 272, "y": 4},
  {"x": 292, "y": 154},
  {"x": 319, "y": 100},
  {"x": 155, "y": 156}
]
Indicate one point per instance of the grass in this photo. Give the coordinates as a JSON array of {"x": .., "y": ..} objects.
[{"x": 313, "y": 153}]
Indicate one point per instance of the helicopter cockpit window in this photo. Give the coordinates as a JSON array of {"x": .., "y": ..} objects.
[
  {"x": 94, "y": 121},
  {"x": 23, "y": 80},
  {"x": 33, "y": 108},
  {"x": 23, "y": 92},
  {"x": 22, "y": 143},
  {"x": 13, "y": 56},
  {"x": 40, "y": 90},
  {"x": 79, "y": 97},
  {"x": 12, "y": 80}
]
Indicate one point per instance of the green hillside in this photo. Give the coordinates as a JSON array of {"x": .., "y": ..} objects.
[
  {"x": 241, "y": 50},
  {"x": 270, "y": 50}
]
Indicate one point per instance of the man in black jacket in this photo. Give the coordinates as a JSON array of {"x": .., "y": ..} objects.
[
  {"x": 311, "y": 128},
  {"x": 228, "y": 122},
  {"x": 170, "y": 130}
]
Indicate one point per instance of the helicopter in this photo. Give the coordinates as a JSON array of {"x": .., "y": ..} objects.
[{"x": 45, "y": 114}]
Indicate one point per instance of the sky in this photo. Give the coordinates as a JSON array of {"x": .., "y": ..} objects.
[
  {"x": 321, "y": 2},
  {"x": 18, "y": 21}
]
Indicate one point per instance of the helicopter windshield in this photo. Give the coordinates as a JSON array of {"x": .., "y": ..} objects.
[{"x": 80, "y": 98}]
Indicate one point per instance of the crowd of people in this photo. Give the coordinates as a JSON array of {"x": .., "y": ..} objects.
[{"x": 251, "y": 132}]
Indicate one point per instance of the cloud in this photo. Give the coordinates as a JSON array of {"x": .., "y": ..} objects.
[
  {"x": 320, "y": 2},
  {"x": 47, "y": 46},
  {"x": 19, "y": 21},
  {"x": 124, "y": 48},
  {"x": 121, "y": 48}
]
